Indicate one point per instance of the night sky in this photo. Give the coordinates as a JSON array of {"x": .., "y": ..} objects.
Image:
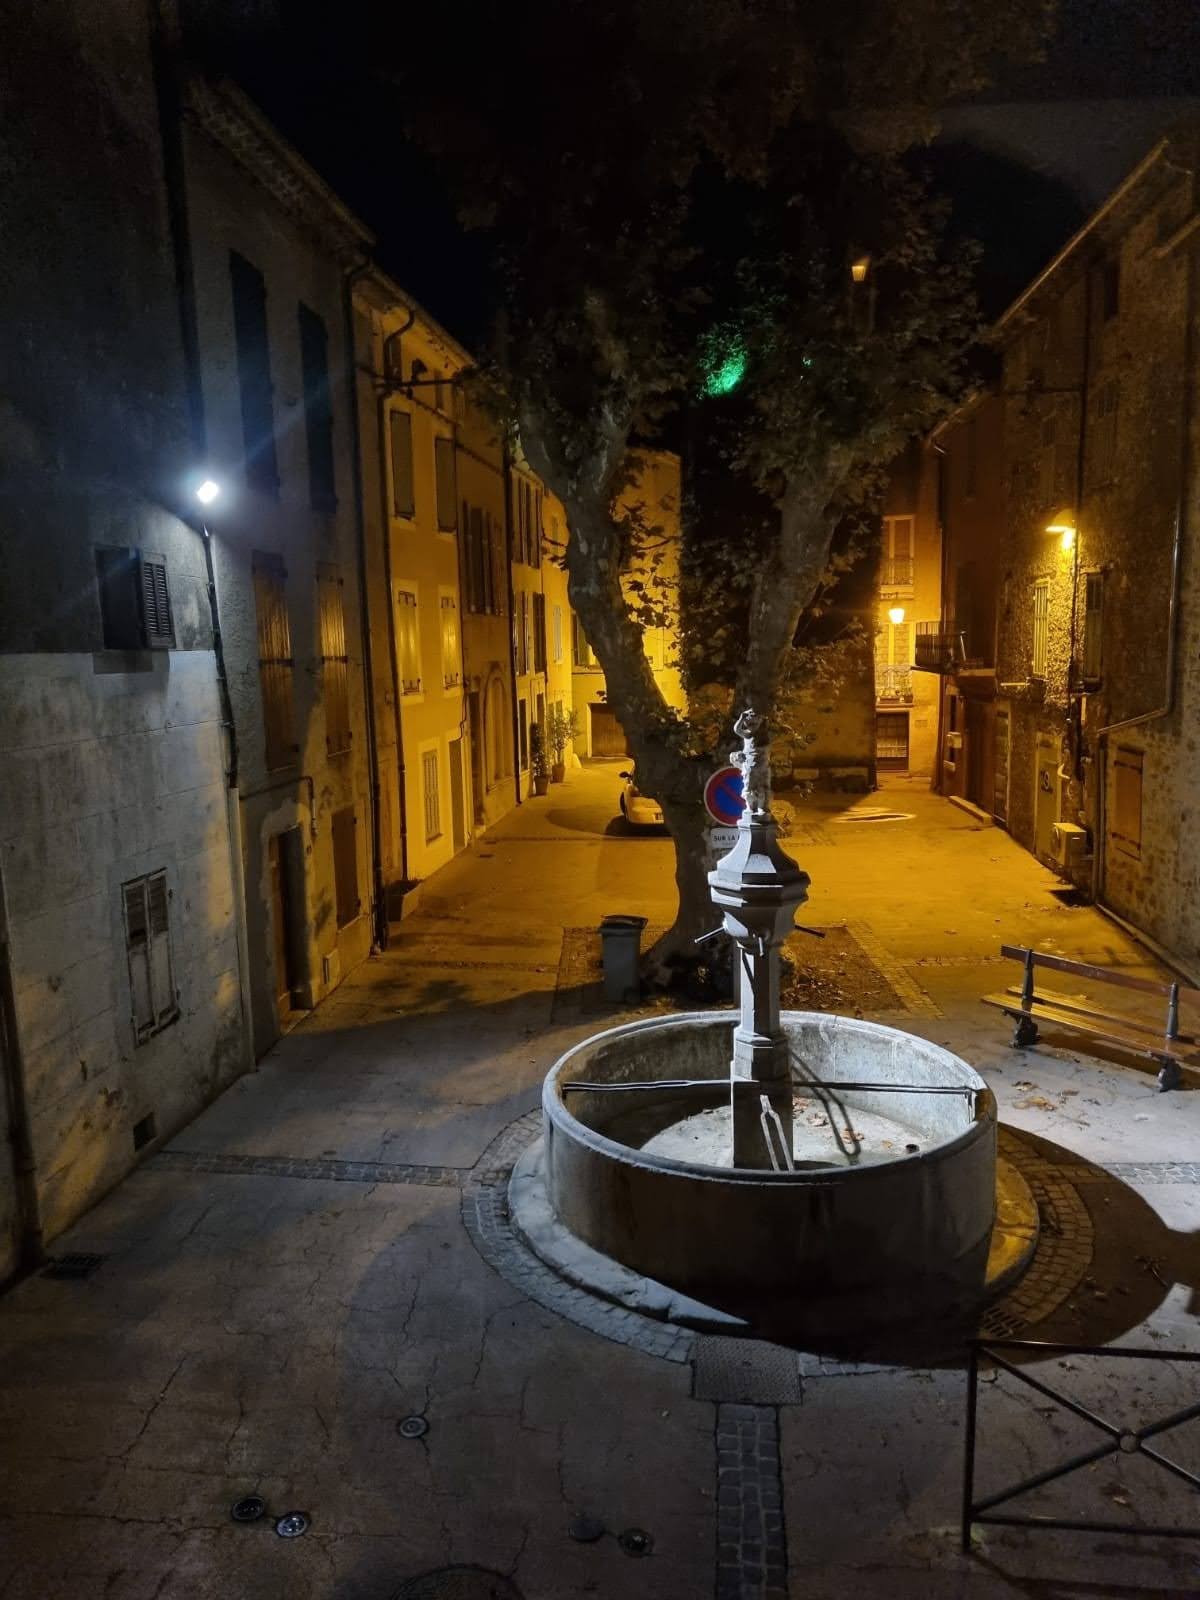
[{"x": 309, "y": 68}]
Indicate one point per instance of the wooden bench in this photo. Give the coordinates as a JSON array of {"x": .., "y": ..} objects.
[{"x": 1028, "y": 1008}]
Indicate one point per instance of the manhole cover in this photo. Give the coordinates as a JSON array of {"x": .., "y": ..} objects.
[
  {"x": 459, "y": 1583},
  {"x": 412, "y": 1427},
  {"x": 745, "y": 1372},
  {"x": 292, "y": 1525},
  {"x": 248, "y": 1509}
]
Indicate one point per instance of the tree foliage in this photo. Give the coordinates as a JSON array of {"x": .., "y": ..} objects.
[{"x": 672, "y": 195}]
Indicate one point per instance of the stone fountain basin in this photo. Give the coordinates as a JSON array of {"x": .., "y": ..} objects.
[{"x": 877, "y": 1242}]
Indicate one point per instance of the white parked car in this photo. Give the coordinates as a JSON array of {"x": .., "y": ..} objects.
[{"x": 638, "y": 809}]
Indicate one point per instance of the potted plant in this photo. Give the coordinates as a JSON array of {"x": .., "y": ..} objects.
[
  {"x": 538, "y": 764},
  {"x": 561, "y": 727}
]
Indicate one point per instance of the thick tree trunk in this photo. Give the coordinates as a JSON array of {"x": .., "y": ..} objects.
[{"x": 677, "y": 950}]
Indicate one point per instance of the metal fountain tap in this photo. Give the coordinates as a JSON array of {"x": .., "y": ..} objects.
[{"x": 758, "y": 887}]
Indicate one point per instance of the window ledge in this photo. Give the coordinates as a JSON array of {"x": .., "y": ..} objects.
[{"x": 110, "y": 661}]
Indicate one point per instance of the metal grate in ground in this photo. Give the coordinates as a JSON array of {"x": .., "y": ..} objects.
[
  {"x": 744, "y": 1371},
  {"x": 304, "y": 1167},
  {"x": 80, "y": 1264}
]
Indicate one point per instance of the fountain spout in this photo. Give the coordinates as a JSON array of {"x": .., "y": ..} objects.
[{"x": 758, "y": 887}]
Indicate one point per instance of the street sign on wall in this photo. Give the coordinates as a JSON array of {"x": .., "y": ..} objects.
[
  {"x": 723, "y": 799},
  {"x": 722, "y": 840}
]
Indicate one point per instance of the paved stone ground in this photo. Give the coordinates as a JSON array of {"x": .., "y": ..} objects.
[{"x": 325, "y": 1252}]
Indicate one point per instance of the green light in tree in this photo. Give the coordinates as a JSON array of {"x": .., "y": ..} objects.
[{"x": 725, "y": 364}]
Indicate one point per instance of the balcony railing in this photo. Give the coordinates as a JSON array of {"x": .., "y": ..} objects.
[
  {"x": 896, "y": 572},
  {"x": 938, "y": 647},
  {"x": 894, "y": 684}
]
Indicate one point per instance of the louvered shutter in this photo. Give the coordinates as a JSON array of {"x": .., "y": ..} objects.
[
  {"x": 137, "y": 949},
  {"x": 157, "y": 622},
  {"x": 162, "y": 975}
]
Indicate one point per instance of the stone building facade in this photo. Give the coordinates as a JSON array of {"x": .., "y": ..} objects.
[
  {"x": 120, "y": 995},
  {"x": 1083, "y": 553},
  {"x": 908, "y": 599},
  {"x": 271, "y": 252}
]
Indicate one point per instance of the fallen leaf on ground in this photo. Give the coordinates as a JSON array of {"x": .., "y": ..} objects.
[{"x": 1036, "y": 1102}]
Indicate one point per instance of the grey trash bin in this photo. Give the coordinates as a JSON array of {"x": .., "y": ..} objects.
[{"x": 621, "y": 939}]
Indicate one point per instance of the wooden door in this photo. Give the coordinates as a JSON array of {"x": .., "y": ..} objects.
[
  {"x": 608, "y": 736},
  {"x": 287, "y": 977}
]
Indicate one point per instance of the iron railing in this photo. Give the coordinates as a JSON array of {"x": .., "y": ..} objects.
[
  {"x": 1120, "y": 1439},
  {"x": 893, "y": 683},
  {"x": 896, "y": 572},
  {"x": 937, "y": 647}
]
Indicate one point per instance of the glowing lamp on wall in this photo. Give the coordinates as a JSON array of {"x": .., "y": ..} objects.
[
  {"x": 207, "y": 491},
  {"x": 1064, "y": 526},
  {"x": 859, "y": 269},
  {"x": 896, "y": 615}
]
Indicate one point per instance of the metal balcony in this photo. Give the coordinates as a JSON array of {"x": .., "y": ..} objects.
[
  {"x": 893, "y": 685},
  {"x": 896, "y": 573},
  {"x": 938, "y": 647}
]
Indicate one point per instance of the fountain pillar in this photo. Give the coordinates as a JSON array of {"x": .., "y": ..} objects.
[{"x": 758, "y": 888}]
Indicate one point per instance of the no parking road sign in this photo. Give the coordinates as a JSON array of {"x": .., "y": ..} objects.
[{"x": 723, "y": 799}]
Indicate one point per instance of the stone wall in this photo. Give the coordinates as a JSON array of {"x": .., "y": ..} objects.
[{"x": 111, "y": 761}]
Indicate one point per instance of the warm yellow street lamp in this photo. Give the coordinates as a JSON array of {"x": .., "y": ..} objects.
[
  {"x": 1063, "y": 525},
  {"x": 859, "y": 269},
  {"x": 896, "y": 615}
]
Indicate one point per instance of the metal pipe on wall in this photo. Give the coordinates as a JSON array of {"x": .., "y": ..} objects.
[{"x": 29, "y": 1246}]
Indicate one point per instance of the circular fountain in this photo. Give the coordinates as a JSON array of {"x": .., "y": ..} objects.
[{"x": 757, "y": 1168}]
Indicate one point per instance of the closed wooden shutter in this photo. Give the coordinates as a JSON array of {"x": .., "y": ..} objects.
[
  {"x": 335, "y": 663},
  {"x": 447, "y": 490},
  {"x": 1127, "y": 799},
  {"x": 148, "y": 950},
  {"x": 156, "y": 604},
  {"x": 254, "y": 374},
  {"x": 275, "y": 664},
  {"x": 432, "y": 795},
  {"x": 403, "y": 502},
  {"x": 318, "y": 410},
  {"x": 345, "y": 865},
  {"x": 408, "y": 641}
]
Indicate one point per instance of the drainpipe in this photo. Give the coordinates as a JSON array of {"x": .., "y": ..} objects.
[
  {"x": 165, "y": 56},
  {"x": 30, "y": 1251},
  {"x": 378, "y": 890},
  {"x": 1167, "y": 705},
  {"x": 939, "y": 764},
  {"x": 385, "y": 389},
  {"x": 507, "y": 481}
]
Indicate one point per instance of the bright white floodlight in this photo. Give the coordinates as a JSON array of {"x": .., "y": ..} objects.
[{"x": 207, "y": 491}]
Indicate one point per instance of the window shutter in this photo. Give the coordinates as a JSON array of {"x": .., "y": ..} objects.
[
  {"x": 275, "y": 662},
  {"x": 156, "y": 604},
  {"x": 254, "y": 373},
  {"x": 447, "y": 491},
  {"x": 162, "y": 976},
  {"x": 335, "y": 661},
  {"x": 400, "y": 425},
  {"x": 137, "y": 949},
  {"x": 318, "y": 410}
]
